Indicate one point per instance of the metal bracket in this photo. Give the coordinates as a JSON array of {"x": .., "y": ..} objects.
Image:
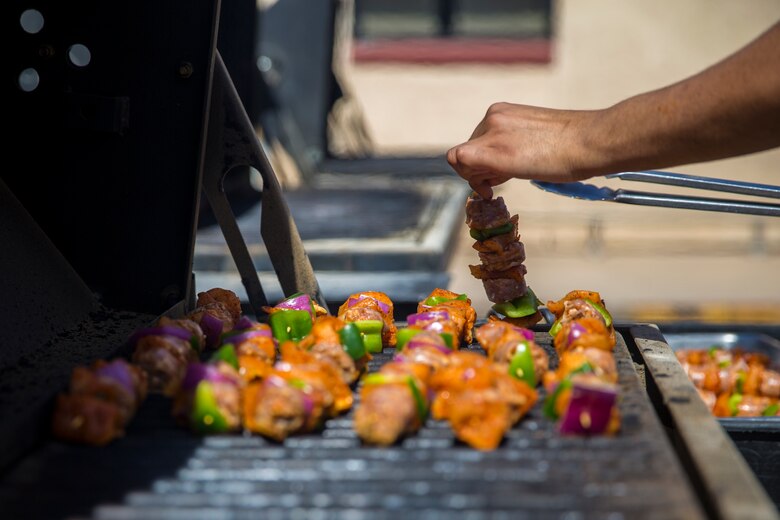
[{"x": 232, "y": 142}]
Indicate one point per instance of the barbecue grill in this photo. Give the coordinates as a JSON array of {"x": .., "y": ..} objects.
[{"x": 100, "y": 238}]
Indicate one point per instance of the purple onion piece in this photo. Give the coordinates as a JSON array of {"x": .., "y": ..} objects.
[
  {"x": 575, "y": 331},
  {"x": 166, "y": 330},
  {"x": 413, "y": 319},
  {"x": 212, "y": 328},
  {"x": 237, "y": 339},
  {"x": 308, "y": 404},
  {"x": 197, "y": 372},
  {"x": 414, "y": 344},
  {"x": 244, "y": 323},
  {"x": 400, "y": 358},
  {"x": 119, "y": 371},
  {"x": 527, "y": 333},
  {"x": 301, "y": 302},
  {"x": 382, "y": 305},
  {"x": 589, "y": 409}
]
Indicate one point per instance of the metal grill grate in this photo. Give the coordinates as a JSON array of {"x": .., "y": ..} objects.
[{"x": 164, "y": 472}]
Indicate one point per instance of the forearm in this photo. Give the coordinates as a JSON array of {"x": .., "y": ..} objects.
[{"x": 729, "y": 109}]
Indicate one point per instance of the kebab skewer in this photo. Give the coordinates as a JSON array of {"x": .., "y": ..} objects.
[
  {"x": 582, "y": 391},
  {"x": 373, "y": 314},
  {"x": 501, "y": 255},
  {"x": 101, "y": 401}
]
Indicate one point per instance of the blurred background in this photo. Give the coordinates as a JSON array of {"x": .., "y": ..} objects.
[{"x": 357, "y": 101}]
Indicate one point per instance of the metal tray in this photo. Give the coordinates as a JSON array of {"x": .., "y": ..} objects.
[{"x": 747, "y": 341}]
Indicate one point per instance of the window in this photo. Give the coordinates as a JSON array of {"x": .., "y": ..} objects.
[{"x": 453, "y": 30}]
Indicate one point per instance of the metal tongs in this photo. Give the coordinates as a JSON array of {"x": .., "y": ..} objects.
[{"x": 580, "y": 190}]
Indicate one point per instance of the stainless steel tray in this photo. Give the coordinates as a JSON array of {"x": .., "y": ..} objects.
[{"x": 747, "y": 341}]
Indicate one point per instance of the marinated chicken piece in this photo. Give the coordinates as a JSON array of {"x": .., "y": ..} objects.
[
  {"x": 275, "y": 409},
  {"x": 335, "y": 355},
  {"x": 298, "y": 363},
  {"x": 85, "y": 419},
  {"x": 426, "y": 348},
  {"x": 479, "y": 398},
  {"x": 597, "y": 361},
  {"x": 197, "y": 335},
  {"x": 226, "y": 298},
  {"x": 385, "y": 414},
  {"x": 770, "y": 383},
  {"x": 324, "y": 342},
  {"x": 480, "y": 418},
  {"x": 501, "y": 341},
  {"x": 296, "y": 397},
  {"x": 393, "y": 403},
  {"x": 164, "y": 358}
]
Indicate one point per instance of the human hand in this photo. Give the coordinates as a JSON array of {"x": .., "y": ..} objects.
[{"x": 523, "y": 142}]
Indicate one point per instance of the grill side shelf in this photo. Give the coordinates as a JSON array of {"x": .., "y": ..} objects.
[{"x": 728, "y": 487}]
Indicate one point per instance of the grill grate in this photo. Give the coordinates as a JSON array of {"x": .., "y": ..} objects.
[{"x": 159, "y": 471}]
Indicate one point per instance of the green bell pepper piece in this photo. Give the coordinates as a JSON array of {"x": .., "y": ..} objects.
[
  {"x": 438, "y": 300},
  {"x": 549, "y": 403},
  {"x": 205, "y": 416},
  {"x": 484, "y": 234},
  {"x": 519, "y": 307},
  {"x": 226, "y": 353},
  {"x": 403, "y": 336},
  {"x": 373, "y": 342},
  {"x": 352, "y": 341},
  {"x": 371, "y": 331},
  {"x": 420, "y": 402},
  {"x": 603, "y": 311},
  {"x": 522, "y": 364},
  {"x": 290, "y": 324},
  {"x": 370, "y": 326},
  {"x": 739, "y": 383},
  {"x": 556, "y": 328},
  {"x": 771, "y": 410},
  {"x": 734, "y": 401}
]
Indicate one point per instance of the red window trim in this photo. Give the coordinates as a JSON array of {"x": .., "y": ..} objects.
[{"x": 453, "y": 50}]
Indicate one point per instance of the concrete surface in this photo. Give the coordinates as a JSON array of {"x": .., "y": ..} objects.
[{"x": 646, "y": 262}]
